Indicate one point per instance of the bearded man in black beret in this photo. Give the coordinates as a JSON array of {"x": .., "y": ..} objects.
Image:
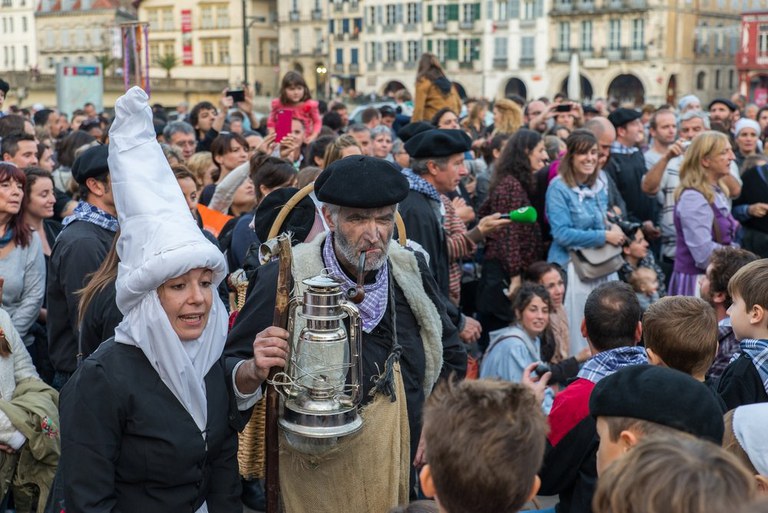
[{"x": 408, "y": 343}]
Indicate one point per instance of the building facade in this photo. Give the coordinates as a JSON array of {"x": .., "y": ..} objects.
[
  {"x": 644, "y": 51},
  {"x": 752, "y": 57},
  {"x": 303, "y": 42},
  {"x": 204, "y": 39},
  {"x": 79, "y": 31},
  {"x": 17, "y": 35}
]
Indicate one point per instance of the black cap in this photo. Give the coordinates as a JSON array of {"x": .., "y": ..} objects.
[
  {"x": 412, "y": 129},
  {"x": 361, "y": 182},
  {"x": 725, "y": 101},
  {"x": 387, "y": 110},
  {"x": 4, "y": 86},
  {"x": 299, "y": 221},
  {"x": 438, "y": 143},
  {"x": 589, "y": 109},
  {"x": 661, "y": 395},
  {"x": 622, "y": 116},
  {"x": 91, "y": 163}
]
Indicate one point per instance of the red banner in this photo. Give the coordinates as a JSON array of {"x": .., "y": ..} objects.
[{"x": 186, "y": 37}]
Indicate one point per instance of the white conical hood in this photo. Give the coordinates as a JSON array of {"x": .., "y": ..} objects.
[{"x": 159, "y": 240}]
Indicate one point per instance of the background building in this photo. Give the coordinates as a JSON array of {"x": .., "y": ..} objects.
[
  {"x": 752, "y": 57},
  {"x": 79, "y": 32},
  {"x": 303, "y": 41},
  {"x": 17, "y": 35}
]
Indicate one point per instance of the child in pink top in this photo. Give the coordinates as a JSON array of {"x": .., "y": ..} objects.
[{"x": 294, "y": 96}]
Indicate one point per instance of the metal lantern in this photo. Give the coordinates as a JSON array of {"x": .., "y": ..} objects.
[{"x": 319, "y": 405}]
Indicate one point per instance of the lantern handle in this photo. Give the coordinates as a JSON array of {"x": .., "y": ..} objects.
[{"x": 355, "y": 349}]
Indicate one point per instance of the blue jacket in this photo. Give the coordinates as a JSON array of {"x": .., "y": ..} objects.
[{"x": 576, "y": 216}]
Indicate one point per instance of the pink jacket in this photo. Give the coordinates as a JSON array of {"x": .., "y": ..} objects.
[{"x": 306, "y": 111}]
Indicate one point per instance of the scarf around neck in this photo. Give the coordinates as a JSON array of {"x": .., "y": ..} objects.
[
  {"x": 606, "y": 363},
  {"x": 92, "y": 214},
  {"x": 757, "y": 351},
  {"x": 376, "y": 294},
  {"x": 418, "y": 184}
]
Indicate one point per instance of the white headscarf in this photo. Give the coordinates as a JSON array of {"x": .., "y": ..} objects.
[
  {"x": 159, "y": 240},
  {"x": 749, "y": 423},
  {"x": 743, "y": 123}
]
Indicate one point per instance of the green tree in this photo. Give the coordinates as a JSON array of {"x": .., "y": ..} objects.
[
  {"x": 107, "y": 62},
  {"x": 167, "y": 62}
]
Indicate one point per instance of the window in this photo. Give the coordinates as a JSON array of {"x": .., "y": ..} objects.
[
  {"x": 586, "y": 36},
  {"x": 717, "y": 78},
  {"x": 731, "y": 76},
  {"x": 513, "y": 9},
  {"x": 5, "y": 54},
  {"x": 564, "y": 36},
  {"x": 339, "y": 56},
  {"x": 529, "y": 9},
  {"x": 502, "y": 11},
  {"x": 391, "y": 14},
  {"x": 354, "y": 56},
  {"x": 414, "y": 51},
  {"x": 319, "y": 39},
  {"x": 223, "y": 47},
  {"x": 442, "y": 15},
  {"x": 500, "y": 48},
  {"x": 441, "y": 50},
  {"x": 206, "y": 17},
  {"x": 49, "y": 39},
  {"x": 25, "y": 48},
  {"x": 470, "y": 12},
  {"x": 10, "y": 26},
  {"x": 296, "y": 41},
  {"x": 167, "y": 15},
  {"x": 5, "y": 29},
  {"x": 79, "y": 38},
  {"x": 527, "y": 45},
  {"x": 413, "y": 13},
  {"x": 638, "y": 34},
  {"x": 7, "y": 3},
  {"x": 24, "y": 24},
  {"x": 701, "y": 78},
  {"x": 222, "y": 16},
  {"x": 614, "y": 35},
  {"x": 470, "y": 50},
  {"x": 153, "y": 17},
  {"x": 154, "y": 53},
  {"x": 207, "y": 52},
  {"x": 96, "y": 36},
  {"x": 345, "y": 26},
  {"x": 762, "y": 40},
  {"x": 65, "y": 38}
]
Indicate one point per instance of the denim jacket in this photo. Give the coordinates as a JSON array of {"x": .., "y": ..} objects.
[{"x": 576, "y": 216}]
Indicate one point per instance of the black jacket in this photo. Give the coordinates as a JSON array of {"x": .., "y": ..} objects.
[
  {"x": 627, "y": 173},
  {"x": 128, "y": 445},
  {"x": 79, "y": 251},
  {"x": 740, "y": 384}
]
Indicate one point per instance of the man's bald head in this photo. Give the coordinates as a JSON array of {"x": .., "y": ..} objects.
[{"x": 605, "y": 133}]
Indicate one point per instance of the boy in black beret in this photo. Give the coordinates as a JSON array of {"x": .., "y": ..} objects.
[
  {"x": 642, "y": 400},
  {"x": 745, "y": 380}
]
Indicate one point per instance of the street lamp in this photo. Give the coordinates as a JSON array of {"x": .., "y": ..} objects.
[
  {"x": 321, "y": 71},
  {"x": 246, "y": 26}
]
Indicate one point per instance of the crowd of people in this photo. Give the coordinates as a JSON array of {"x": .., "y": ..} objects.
[{"x": 579, "y": 308}]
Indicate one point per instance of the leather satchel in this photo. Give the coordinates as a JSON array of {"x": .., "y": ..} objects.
[{"x": 593, "y": 263}]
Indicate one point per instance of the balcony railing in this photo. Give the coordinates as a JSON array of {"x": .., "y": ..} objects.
[
  {"x": 317, "y": 14},
  {"x": 294, "y": 16},
  {"x": 636, "y": 54},
  {"x": 560, "y": 55},
  {"x": 585, "y": 5},
  {"x": 467, "y": 24},
  {"x": 318, "y": 50},
  {"x": 354, "y": 6},
  {"x": 466, "y": 65},
  {"x": 388, "y": 65},
  {"x": 613, "y": 54},
  {"x": 338, "y": 6},
  {"x": 561, "y": 7},
  {"x": 409, "y": 65},
  {"x": 500, "y": 62},
  {"x": 388, "y": 28},
  {"x": 527, "y": 62},
  {"x": 338, "y": 67},
  {"x": 439, "y": 25},
  {"x": 354, "y": 68}
]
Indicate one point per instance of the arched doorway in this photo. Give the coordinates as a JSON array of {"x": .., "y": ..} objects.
[
  {"x": 627, "y": 89},
  {"x": 515, "y": 86},
  {"x": 672, "y": 90},
  {"x": 586, "y": 88},
  {"x": 298, "y": 68},
  {"x": 392, "y": 87}
]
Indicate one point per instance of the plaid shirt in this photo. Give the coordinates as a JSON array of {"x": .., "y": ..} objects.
[
  {"x": 459, "y": 246},
  {"x": 91, "y": 214},
  {"x": 727, "y": 347},
  {"x": 617, "y": 147},
  {"x": 757, "y": 351},
  {"x": 606, "y": 363},
  {"x": 376, "y": 294}
]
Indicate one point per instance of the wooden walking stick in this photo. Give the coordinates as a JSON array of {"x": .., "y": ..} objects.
[{"x": 282, "y": 247}]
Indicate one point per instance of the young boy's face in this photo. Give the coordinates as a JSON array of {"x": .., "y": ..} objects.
[
  {"x": 608, "y": 451},
  {"x": 741, "y": 319}
]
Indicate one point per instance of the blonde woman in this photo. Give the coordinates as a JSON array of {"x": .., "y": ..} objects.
[
  {"x": 344, "y": 146},
  {"x": 703, "y": 220},
  {"x": 507, "y": 117},
  {"x": 202, "y": 166},
  {"x": 474, "y": 123}
]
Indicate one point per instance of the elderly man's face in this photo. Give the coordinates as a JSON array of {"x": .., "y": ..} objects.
[{"x": 358, "y": 230}]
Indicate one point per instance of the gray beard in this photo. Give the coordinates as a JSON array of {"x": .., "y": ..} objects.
[{"x": 352, "y": 256}]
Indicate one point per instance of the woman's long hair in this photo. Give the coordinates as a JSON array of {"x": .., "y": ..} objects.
[
  {"x": 100, "y": 279},
  {"x": 475, "y": 119},
  {"x": 514, "y": 161},
  {"x": 333, "y": 151},
  {"x": 579, "y": 142},
  {"x": 524, "y": 295},
  {"x": 272, "y": 173},
  {"x": 511, "y": 116},
  {"x": 22, "y": 233},
  {"x": 692, "y": 173},
  {"x": 293, "y": 78},
  {"x": 429, "y": 67}
]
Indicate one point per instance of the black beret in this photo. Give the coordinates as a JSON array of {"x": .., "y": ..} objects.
[
  {"x": 589, "y": 109},
  {"x": 622, "y": 116},
  {"x": 361, "y": 182},
  {"x": 725, "y": 101},
  {"x": 387, "y": 110},
  {"x": 438, "y": 143},
  {"x": 4, "y": 86},
  {"x": 299, "y": 221},
  {"x": 412, "y": 129},
  {"x": 91, "y": 163},
  {"x": 661, "y": 395}
]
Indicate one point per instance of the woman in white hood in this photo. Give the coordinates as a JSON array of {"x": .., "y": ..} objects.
[{"x": 148, "y": 421}]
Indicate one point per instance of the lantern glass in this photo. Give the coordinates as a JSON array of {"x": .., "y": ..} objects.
[{"x": 322, "y": 362}]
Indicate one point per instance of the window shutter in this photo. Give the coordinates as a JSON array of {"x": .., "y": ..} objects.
[{"x": 429, "y": 13}]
